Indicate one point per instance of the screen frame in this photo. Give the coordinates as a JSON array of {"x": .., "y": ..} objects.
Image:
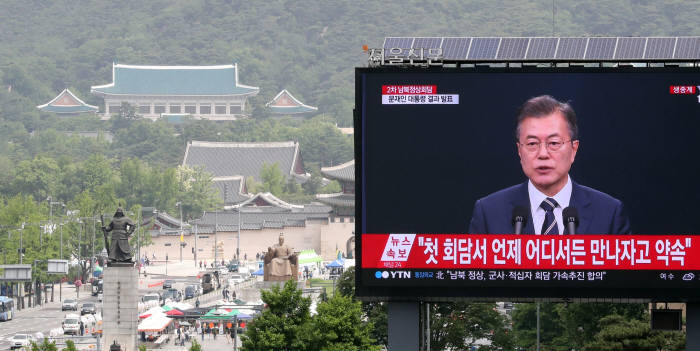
[{"x": 425, "y": 293}]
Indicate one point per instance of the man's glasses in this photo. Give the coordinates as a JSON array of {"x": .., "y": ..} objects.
[{"x": 551, "y": 145}]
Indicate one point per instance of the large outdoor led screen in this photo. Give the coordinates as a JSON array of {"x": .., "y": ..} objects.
[{"x": 441, "y": 183}]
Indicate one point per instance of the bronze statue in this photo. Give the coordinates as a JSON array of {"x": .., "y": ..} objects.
[
  {"x": 121, "y": 227},
  {"x": 280, "y": 262}
]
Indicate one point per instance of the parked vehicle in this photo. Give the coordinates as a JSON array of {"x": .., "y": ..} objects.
[
  {"x": 20, "y": 340},
  {"x": 191, "y": 291},
  {"x": 88, "y": 308},
  {"x": 97, "y": 287},
  {"x": 69, "y": 304},
  {"x": 172, "y": 294},
  {"x": 71, "y": 324},
  {"x": 152, "y": 298},
  {"x": 168, "y": 284},
  {"x": 208, "y": 282},
  {"x": 235, "y": 279}
]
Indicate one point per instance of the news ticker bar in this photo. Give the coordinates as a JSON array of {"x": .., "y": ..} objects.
[
  {"x": 531, "y": 252},
  {"x": 485, "y": 278}
]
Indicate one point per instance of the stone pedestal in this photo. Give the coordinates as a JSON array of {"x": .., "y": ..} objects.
[{"x": 120, "y": 306}]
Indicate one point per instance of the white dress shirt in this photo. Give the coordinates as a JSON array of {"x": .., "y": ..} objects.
[{"x": 563, "y": 197}]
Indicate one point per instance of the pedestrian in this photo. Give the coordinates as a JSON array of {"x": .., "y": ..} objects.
[
  {"x": 200, "y": 264},
  {"x": 201, "y": 330},
  {"x": 196, "y": 303},
  {"x": 214, "y": 332},
  {"x": 233, "y": 294},
  {"x": 205, "y": 263},
  {"x": 245, "y": 257},
  {"x": 82, "y": 329}
]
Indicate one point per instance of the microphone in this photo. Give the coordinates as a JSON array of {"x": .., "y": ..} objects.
[
  {"x": 519, "y": 219},
  {"x": 570, "y": 215}
]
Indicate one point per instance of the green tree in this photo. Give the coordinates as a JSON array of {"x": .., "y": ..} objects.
[
  {"x": 196, "y": 192},
  {"x": 45, "y": 345},
  {"x": 284, "y": 325},
  {"x": 37, "y": 177},
  {"x": 70, "y": 346},
  {"x": 618, "y": 333},
  {"x": 195, "y": 346},
  {"x": 375, "y": 312},
  {"x": 272, "y": 179},
  {"x": 459, "y": 325},
  {"x": 339, "y": 326}
]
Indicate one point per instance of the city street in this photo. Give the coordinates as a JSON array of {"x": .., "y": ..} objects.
[
  {"x": 42, "y": 318},
  {"x": 49, "y": 316}
]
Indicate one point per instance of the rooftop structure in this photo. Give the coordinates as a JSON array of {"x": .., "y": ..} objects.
[
  {"x": 286, "y": 104},
  {"x": 67, "y": 104},
  {"x": 210, "y": 92},
  {"x": 225, "y": 159},
  {"x": 343, "y": 202}
]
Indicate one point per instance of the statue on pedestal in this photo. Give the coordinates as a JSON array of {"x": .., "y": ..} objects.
[
  {"x": 281, "y": 262},
  {"x": 121, "y": 227}
]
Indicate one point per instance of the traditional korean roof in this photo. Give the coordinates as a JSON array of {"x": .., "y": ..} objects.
[
  {"x": 337, "y": 199},
  {"x": 223, "y": 159},
  {"x": 162, "y": 223},
  {"x": 267, "y": 199},
  {"x": 344, "y": 172},
  {"x": 278, "y": 214},
  {"x": 285, "y": 103},
  {"x": 67, "y": 103},
  {"x": 174, "y": 80},
  {"x": 231, "y": 189}
]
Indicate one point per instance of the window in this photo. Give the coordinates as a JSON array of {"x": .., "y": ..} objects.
[
  {"x": 175, "y": 108},
  {"x": 204, "y": 109},
  {"x": 113, "y": 109},
  {"x": 158, "y": 109},
  {"x": 220, "y": 109},
  {"x": 191, "y": 109},
  {"x": 145, "y": 109},
  {"x": 235, "y": 109}
]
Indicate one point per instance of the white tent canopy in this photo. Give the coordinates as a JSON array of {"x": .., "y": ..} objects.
[{"x": 154, "y": 323}]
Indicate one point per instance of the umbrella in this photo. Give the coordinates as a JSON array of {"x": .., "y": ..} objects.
[
  {"x": 244, "y": 316},
  {"x": 166, "y": 308},
  {"x": 258, "y": 272},
  {"x": 152, "y": 311}
]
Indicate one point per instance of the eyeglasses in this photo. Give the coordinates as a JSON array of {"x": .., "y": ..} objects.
[{"x": 552, "y": 145}]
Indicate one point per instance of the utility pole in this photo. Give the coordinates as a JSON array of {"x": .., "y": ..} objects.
[
  {"x": 195, "y": 244},
  {"x": 216, "y": 241},
  {"x": 238, "y": 242},
  {"x": 179, "y": 205},
  {"x": 138, "y": 238}
]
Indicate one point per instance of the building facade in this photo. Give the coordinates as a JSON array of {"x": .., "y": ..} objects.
[{"x": 205, "y": 92}]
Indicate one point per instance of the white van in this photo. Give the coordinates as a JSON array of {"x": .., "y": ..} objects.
[{"x": 71, "y": 324}]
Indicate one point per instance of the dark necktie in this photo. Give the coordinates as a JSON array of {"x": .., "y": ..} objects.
[{"x": 549, "y": 227}]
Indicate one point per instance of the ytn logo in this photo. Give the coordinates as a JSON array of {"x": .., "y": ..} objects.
[{"x": 392, "y": 274}]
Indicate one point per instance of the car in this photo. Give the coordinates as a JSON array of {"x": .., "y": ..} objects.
[
  {"x": 69, "y": 304},
  {"x": 235, "y": 279},
  {"x": 192, "y": 291},
  {"x": 152, "y": 297},
  {"x": 20, "y": 340},
  {"x": 168, "y": 284},
  {"x": 172, "y": 294},
  {"x": 88, "y": 308},
  {"x": 71, "y": 324}
]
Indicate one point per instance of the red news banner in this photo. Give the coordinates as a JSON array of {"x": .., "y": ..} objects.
[{"x": 542, "y": 252}]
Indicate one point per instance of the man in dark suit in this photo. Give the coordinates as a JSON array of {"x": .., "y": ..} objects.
[{"x": 547, "y": 142}]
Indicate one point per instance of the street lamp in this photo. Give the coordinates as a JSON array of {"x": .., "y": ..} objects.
[{"x": 179, "y": 205}]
